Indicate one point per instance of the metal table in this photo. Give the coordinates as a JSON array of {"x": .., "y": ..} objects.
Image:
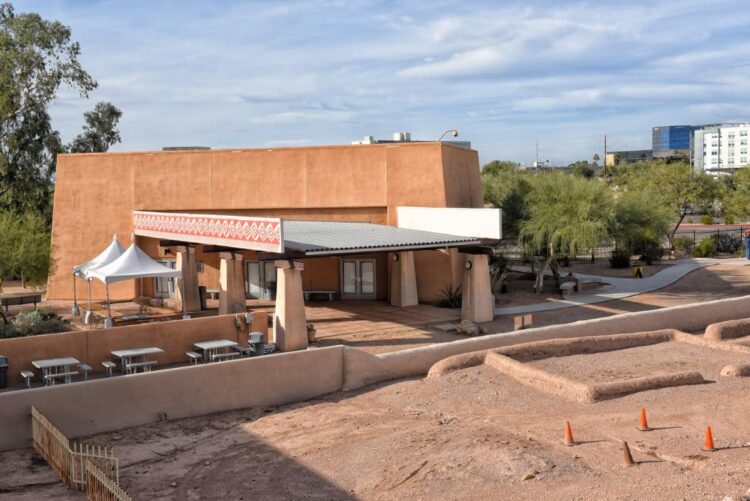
[
  {"x": 53, "y": 367},
  {"x": 214, "y": 347},
  {"x": 133, "y": 359}
]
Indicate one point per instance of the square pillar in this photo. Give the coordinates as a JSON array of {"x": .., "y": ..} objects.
[
  {"x": 289, "y": 321},
  {"x": 403, "y": 283},
  {"x": 185, "y": 262},
  {"x": 478, "y": 303},
  {"x": 231, "y": 287}
]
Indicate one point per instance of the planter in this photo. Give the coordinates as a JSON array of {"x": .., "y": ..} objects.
[{"x": 311, "y": 336}]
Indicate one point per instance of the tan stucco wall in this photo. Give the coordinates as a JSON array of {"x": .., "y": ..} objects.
[
  {"x": 96, "y": 193},
  {"x": 114, "y": 403},
  {"x": 95, "y": 346},
  {"x": 109, "y": 404}
]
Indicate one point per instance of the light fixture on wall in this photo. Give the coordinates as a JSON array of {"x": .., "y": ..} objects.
[
  {"x": 467, "y": 265},
  {"x": 395, "y": 257}
]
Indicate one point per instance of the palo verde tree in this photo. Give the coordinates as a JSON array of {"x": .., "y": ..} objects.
[
  {"x": 566, "y": 215},
  {"x": 672, "y": 185},
  {"x": 506, "y": 186}
]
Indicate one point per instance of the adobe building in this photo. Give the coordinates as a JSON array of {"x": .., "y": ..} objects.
[{"x": 170, "y": 199}]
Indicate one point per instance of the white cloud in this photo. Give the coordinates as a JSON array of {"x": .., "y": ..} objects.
[{"x": 263, "y": 73}]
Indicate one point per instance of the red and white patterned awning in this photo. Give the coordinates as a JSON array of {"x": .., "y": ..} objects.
[{"x": 239, "y": 232}]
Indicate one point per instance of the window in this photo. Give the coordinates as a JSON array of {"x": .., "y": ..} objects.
[
  {"x": 743, "y": 151},
  {"x": 743, "y": 133},
  {"x": 743, "y": 160},
  {"x": 743, "y": 142}
]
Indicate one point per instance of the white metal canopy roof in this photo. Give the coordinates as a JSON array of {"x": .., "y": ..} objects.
[
  {"x": 319, "y": 238},
  {"x": 112, "y": 252},
  {"x": 133, "y": 263}
]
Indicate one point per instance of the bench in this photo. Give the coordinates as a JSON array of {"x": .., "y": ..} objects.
[
  {"x": 146, "y": 366},
  {"x": 64, "y": 375},
  {"x": 566, "y": 288},
  {"x": 108, "y": 366},
  {"x": 223, "y": 356},
  {"x": 330, "y": 294},
  {"x": 27, "y": 376},
  {"x": 242, "y": 350},
  {"x": 193, "y": 357},
  {"x": 85, "y": 368}
]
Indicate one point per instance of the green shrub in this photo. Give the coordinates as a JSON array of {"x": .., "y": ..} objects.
[
  {"x": 649, "y": 250},
  {"x": 706, "y": 248},
  {"x": 729, "y": 219},
  {"x": 498, "y": 273},
  {"x": 8, "y": 331},
  {"x": 684, "y": 244},
  {"x": 450, "y": 297},
  {"x": 726, "y": 242},
  {"x": 707, "y": 219},
  {"x": 620, "y": 258},
  {"x": 43, "y": 321}
]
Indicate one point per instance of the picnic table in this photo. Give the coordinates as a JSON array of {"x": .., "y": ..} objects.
[
  {"x": 137, "y": 358},
  {"x": 217, "y": 349},
  {"x": 56, "y": 368}
]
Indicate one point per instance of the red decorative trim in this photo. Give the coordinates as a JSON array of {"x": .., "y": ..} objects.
[{"x": 254, "y": 233}]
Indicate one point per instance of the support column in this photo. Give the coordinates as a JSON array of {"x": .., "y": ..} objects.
[
  {"x": 185, "y": 262},
  {"x": 478, "y": 304},
  {"x": 289, "y": 322},
  {"x": 403, "y": 280},
  {"x": 231, "y": 288}
]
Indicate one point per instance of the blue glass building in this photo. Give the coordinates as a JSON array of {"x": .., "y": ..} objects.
[{"x": 670, "y": 138}]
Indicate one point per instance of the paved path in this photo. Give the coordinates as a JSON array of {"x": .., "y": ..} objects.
[{"x": 618, "y": 288}]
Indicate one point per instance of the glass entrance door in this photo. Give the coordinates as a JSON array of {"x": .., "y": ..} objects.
[
  {"x": 164, "y": 287},
  {"x": 358, "y": 279},
  {"x": 260, "y": 280}
]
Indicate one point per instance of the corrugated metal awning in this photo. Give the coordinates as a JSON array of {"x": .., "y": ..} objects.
[{"x": 321, "y": 238}]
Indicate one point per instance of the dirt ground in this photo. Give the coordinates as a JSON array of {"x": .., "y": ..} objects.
[
  {"x": 639, "y": 362},
  {"x": 472, "y": 434}
]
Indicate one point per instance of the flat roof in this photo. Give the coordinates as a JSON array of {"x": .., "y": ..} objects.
[{"x": 330, "y": 238}]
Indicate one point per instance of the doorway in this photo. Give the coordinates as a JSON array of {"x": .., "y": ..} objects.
[
  {"x": 358, "y": 279},
  {"x": 164, "y": 287},
  {"x": 260, "y": 280}
]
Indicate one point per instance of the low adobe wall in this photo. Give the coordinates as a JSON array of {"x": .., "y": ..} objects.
[
  {"x": 731, "y": 329},
  {"x": 114, "y": 403},
  {"x": 109, "y": 404},
  {"x": 94, "y": 346},
  {"x": 362, "y": 369}
]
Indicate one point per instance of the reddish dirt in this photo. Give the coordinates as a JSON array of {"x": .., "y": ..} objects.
[
  {"x": 639, "y": 362},
  {"x": 469, "y": 435}
]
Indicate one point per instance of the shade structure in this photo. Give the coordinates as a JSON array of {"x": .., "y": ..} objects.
[
  {"x": 132, "y": 264},
  {"x": 112, "y": 252}
]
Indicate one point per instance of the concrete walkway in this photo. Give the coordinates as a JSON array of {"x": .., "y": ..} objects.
[{"x": 618, "y": 288}]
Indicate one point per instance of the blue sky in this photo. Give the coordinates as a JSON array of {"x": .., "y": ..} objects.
[{"x": 505, "y": 74}]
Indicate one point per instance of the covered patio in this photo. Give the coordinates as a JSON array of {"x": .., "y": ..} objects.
[{"x": 290, "y": 244}]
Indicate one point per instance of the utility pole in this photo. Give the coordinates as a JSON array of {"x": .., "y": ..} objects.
[
  {"x": 605, "y": 156},
  {"x": 536, "y": 163}
]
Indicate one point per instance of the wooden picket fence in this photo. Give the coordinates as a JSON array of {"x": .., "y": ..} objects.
[
  {"x": 72, "y": 465},
  {"x": 100, "y": 487}
]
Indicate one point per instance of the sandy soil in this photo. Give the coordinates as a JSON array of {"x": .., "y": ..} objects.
[
  {"x": 640, "y": 361},
  {"x": 473, "y": 434}
]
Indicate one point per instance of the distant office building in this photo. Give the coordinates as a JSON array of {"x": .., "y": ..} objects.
[
  {"x": 671, "y": 141},
  {"x": 721, "y": 149},
  {"x": 627, "y": 157}
]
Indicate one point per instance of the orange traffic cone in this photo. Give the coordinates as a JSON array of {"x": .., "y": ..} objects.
[
  {"x": 708, "y": 443},
  {"x": 627, "y": 457},
  {"x": 568, "y": 435},
  {"x": 643, "y": 423}
]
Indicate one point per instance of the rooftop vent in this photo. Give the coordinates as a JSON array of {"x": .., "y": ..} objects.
[{"x": 184, "y": 148}]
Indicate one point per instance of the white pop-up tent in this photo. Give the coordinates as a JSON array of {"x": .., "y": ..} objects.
[
  {"x": 132, "y": 264},
  {"x": 112, "y": 252}
]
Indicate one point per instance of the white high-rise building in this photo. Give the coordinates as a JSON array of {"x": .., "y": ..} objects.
[{"x": 721, "y": 149}]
